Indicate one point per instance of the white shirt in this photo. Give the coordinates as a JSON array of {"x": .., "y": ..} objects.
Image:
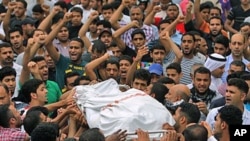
[{"x": 212, "y": 113}]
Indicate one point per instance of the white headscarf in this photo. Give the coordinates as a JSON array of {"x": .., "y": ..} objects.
[{"x": 215, "y": 61}]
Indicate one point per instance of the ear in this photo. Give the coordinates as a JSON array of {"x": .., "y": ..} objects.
[
  {"x": 33, "y": 95},
  {"x": 151, "y": 54},
  {"x": 243, "y": 96},
  {"x": 12, "y": 121},
  {"x": 223, "y": 125},
  {"x": 182, "y": 120},
  {"x": 153, "y": 95}
]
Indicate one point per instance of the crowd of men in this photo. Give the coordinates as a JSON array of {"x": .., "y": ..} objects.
[{"x": 193, "y": 56}]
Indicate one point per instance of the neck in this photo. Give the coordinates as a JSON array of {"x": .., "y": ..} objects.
[
  {"x": 122, "y": 80},
  {"x": 93, "y": 34},
  {"x": 64, "y": 43},
  {"x": 34, "y": 103},
  {"x": 19, "y": 50},
  {"x": 225, "y": 135},
  {"x": 241, "y": 107},
  {"x": 189, "y": 56},
  {"x": 245, "y": 6},
  {"x": 237, "y": 57},
  {"x": 7, "y": 64}
]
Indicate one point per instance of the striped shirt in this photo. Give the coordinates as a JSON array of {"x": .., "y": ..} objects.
[{"x": 186, "y": 65}]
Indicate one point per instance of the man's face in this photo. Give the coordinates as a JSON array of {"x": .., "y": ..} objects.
[
  {"x": 4, "y": 96},
  {"x": 36, "y": 35},
  {"x": 197, "y": 41},
  {"x": 172, "y": 12},
  {"x": 136, "y": 14},
  {"x": 19, "y": 10},
  {"x": 177, "y": 117},
  {"x": 10, "y": 82},
  {"x": 203, "y": 46},
  {"x": 201, "y": 82},
  {"x": 16, "y": 115},
  {"x": 173, "y": 74},
  {"x": 171, "y": 95},
  {"x": 85, "y": 3},
  {"x": 217, "y": 131},
  {"x": 93, "y": 4},
  {"x": 70, "y": 82},
  {"x": 95, "y": 55},
  {"x": 205, "y": 14},
  {"x": 6, "y": 55},
  {"x": 63, "y": 35},
  {"x": 76, "y": 18},
  {"x": 75, "y": 50},
  {"x": 112, "y": 71},
  {"x": 158, "y": 55},
  {"x": 220, "y": 49},
  {"x": 139, "y": 84},
  {"x": 234, "y": 68},
  {"x": 106, "y": 38},
  {"x": 138, "y": 40},
  {"x": 237, "y": 45},
  {"x": 155, "y": 77},
  {"x": 116, "y": 51},
  {"x": 107, "y": 14},
  {"x": 16, "y": 40},
  {"x": 187, "y": 45},
  {"x": 99, "y": 29},
  {"x": 41, "y": 94},
  {"x": 38, "y": 16},
  {"x": 234, "y": 96},
  {"x": 217, "y": 73},
  {"x": 215, "y": 27},
  {"x": 49, "y": 60},
  {"x": 93, "y": 28},
  {"x": 43, "y": 69},
  {"x": 124, "y": 67},
  {"x": 214, "y": 13}
]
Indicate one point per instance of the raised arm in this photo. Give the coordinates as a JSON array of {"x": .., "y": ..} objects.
[
  {"x": 6, "y": 20},
  {"x": 198, "y": 18},
  {"x": 125, "y": 28},
  {"x": 117, "y": 14},
  {"x": 140, "y": 53},
  {"x": 150, "y": 17},
  {"x": 178, "y": 54},
  {"x": 228, "y": 22},
  {"x": 82, "y": 33},
  {"x": 45, "y": 24},
  {"x": 89, "y": 68}
]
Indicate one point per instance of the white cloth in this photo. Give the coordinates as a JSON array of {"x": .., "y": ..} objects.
[
  {"x": 109, "y": 109},
  {"x": 215, "y": 61},
  {"x": 212, "y": 113}
]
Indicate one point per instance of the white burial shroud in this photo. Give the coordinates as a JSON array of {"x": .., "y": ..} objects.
[{"x": 109, "y": 109}]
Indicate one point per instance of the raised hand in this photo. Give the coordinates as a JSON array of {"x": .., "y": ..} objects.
[
  {"x": 12, "y": 6},
  {"x": 33, "y": 67},
  {"x": 93, "y": 15},
  {"x": 141, "y": 52},
  {"x": 119, "y": 135},
  {"x": 67, "y": 17}
]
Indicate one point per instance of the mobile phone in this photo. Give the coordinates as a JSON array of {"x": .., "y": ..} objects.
[{"x": 110, "y": 53}]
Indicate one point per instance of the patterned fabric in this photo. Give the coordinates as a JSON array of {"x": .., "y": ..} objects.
[
  {"x": 11, "y": 134},
  {"x": 148, "y": 30}
]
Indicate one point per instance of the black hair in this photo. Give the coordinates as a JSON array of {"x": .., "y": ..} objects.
[
  {"x": 70, "y": 74},
  {"x": 112, "y": 61},
  {"x": 45, "y": 131},
  {"x": 202, "y": 70},
  {"x": 138, "y": 31},
  {"x": 93, "y": 134},
  {"x": 16, "y": 30},
  {"x": 29, "y": 87},
  {"x": 126, "y": 57},
  {"x": 77, "y": 9},
  {"x": 142, "y": 74},
  {"x": 221, "y": 39},
  {"x": 105, "y": 23},
  {"x": 190, "y": 111},
  {"x": 62, "y": 4},
  {"x": 5, "y": 115},
  {"x": 239, "y": 83},
  {"x": 5, "y": 44},
  {"x": 32, "y": 118},
  {"x": 176, "y": 66},
  {"x": 158, "y": 46},
  {"x": 188, "y": 34},
  {"x": 7, "y": 71},
  {"x": 206, "y": 5},
  {"x": 231, "y": 114},
  {"x": 38, "y": 8},
  {"x": 23, "y": 2},
  {"x": 78, "y": 79},
  {"x": 160, "y": 90},
  {"x": 107, "y": 7},
  {"x": 78, "y": 40},
  {"x": 98, "y": 46},
  {"x": 166, "y": 80}
]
